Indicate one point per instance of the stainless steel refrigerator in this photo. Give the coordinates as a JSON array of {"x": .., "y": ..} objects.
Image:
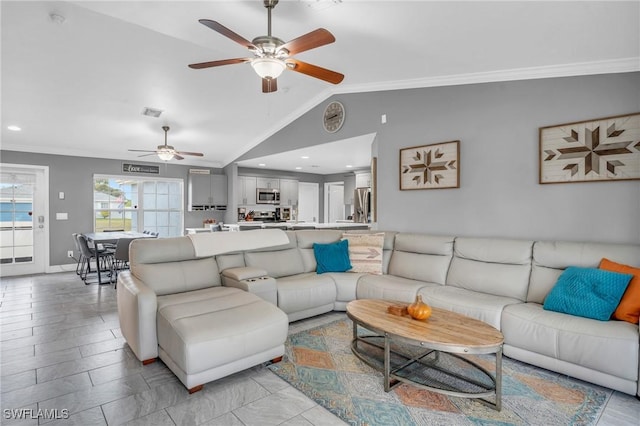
[{"x": 362, "y": 205}]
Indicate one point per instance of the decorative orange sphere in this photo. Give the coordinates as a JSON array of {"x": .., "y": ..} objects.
[{"x": 419, "y": 310}]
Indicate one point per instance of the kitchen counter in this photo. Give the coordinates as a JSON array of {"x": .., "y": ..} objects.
[{"x": 290, "y": 225}]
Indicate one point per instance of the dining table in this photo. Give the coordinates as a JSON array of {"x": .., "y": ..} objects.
[{"x": 101, "y": 238}]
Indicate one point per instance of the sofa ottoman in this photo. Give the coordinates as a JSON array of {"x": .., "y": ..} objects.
[{"x": 207, "y": 334}]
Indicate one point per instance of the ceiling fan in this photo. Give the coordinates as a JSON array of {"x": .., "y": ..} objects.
[
  {"x": 271, "y": 56},
  {"x": 167, "y": 152}
]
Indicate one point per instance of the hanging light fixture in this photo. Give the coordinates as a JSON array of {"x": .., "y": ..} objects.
[
  {"x": 267, "y": 67},
  {"x": 165, "y": 155}
]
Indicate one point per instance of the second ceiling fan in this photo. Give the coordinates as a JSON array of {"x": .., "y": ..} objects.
[{"x": 272, "y": 55}]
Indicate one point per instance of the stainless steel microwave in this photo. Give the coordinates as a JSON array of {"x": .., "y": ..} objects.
[{"x": 267, "y": 196}]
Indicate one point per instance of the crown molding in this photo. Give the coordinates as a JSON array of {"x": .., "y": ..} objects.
[
  {"x": 565, "y": 70},
  {"x": 612, "y": 66}
]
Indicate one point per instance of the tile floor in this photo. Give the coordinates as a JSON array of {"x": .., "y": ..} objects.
[{"x": 61, "y": 349}]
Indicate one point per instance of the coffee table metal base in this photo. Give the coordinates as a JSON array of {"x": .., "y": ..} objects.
[{"x": 434, "y": 370}]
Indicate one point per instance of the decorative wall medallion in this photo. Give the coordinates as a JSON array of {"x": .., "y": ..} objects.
[
  {"x": 433, "y": 166},
  {"x": 587, "y": 151}
]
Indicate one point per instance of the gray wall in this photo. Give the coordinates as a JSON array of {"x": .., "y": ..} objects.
[
  {"x": 497, "y": 124},
  {"x": 74, "y": 176}
]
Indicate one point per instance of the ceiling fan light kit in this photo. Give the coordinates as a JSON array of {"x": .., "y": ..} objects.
[
  {"x": 268, "y": 67},
  {"x": 167, "y": 152},
  {"x": 272, "y": 56}
]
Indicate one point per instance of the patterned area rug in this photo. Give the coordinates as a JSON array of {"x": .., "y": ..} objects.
[{"x": 319, "y": 363}]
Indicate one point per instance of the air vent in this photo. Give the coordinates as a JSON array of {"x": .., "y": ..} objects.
[{"x": 151, "y": 112}]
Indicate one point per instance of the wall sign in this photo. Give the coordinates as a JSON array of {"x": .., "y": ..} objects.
[{"x": 140, "y": 168}]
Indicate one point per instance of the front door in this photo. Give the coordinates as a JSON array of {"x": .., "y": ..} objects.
[{"x": 23, "y": 219}]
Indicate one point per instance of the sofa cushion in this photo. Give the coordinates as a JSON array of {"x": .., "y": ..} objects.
[
  {"x": 610, "y": 347},
  {"x": 346, "y": 284},
  {"x": 550, "y": 258},
  {"x": 305, "y": 291},
  {"x": 587, "y": 292},
  {"x": 365, "y": 251},
  {"x": 629, "y": 307},
  {"x": 307, "y": 237},
  {"x": 278, "y": 263},
  {"x": 494, "y": 266},
  {"x": 481, "y": 306},
  {"x": 177, "y": 277},
  {"x": 206, "y": 328},
  {"x": 421, "y": 257},
  {"x": 332, "y": 257},
  {"x": 389, "y": 287}
]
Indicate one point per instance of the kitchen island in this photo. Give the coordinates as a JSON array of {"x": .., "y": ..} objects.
[{"x": 287, "y": 225}]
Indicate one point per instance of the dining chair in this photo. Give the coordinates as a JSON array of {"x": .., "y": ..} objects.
[
  {"x": 120, "y": 258},
  {"x": 79, "y": 259},
  {"x": 91, "y": 253}
]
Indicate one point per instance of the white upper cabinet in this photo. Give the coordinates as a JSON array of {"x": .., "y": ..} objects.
[
  {"x": 207, "y": 190},
  {"x": 269, "y": 183},
  {"x": 246, "y": 190},
  {"x": 363, "y": 179},
  {"x": 288, "y": 192}
]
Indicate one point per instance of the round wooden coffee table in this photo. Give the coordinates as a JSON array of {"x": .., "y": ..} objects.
[{"x": 429, "y": 353}]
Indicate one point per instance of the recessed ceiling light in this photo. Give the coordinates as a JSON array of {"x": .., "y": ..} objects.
[
  {"x": 305, "y": 157},
  {"x": 14, "y": 128},
  {"x": 298, "y": 168},
  {"x": 262, "y": 165},
  {"x": 349, "y": 166}
]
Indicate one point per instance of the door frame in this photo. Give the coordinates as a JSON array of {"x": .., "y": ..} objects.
[{"x": 41, "y": 255}]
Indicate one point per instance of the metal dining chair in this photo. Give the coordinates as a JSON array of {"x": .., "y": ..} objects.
[
  {"x": 80, "y": 258},
  {"x": 120, "y": 258},
  {"x": 91, "y": 253}
]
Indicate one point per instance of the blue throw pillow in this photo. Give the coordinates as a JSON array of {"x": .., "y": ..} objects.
[
  {"x": 333, "y": 257},
  {"x": 587, "y": 292}
]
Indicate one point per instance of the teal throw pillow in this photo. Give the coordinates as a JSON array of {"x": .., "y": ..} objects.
[
  {"x": 333, "y": 257},
  {"x": 587, "y": 292}
]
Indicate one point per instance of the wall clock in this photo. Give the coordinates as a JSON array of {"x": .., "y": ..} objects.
[{"x": 333, "y": 117}]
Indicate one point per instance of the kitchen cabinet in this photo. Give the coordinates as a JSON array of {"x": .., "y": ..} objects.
[
  {"x": 207, "y": 191},
  {"x": 269, "y": 183},
  {"x": 246, "y": 190},
  {"x": 363, "y": 180},
  {"x": 288, "y": 192}
]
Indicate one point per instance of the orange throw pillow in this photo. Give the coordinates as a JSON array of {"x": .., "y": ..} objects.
[{"x": 629, "y": 307}]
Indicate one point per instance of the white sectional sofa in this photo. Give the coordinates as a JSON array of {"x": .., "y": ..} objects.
[{"x": 500, "y": 281}]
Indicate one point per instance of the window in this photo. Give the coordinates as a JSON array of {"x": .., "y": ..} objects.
[{"x": 138, "y": 204}]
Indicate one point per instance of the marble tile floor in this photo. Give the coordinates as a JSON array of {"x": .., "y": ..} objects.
[{"x": 61, "y": 351}]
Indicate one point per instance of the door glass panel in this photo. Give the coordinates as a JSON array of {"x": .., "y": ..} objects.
[{"x": 16, "y": 218}]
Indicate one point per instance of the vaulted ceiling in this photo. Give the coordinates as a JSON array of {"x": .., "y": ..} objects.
[{"x": 77, "y": 75}]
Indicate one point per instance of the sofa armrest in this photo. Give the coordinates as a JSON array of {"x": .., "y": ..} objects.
[
  {"x": 252, "y": 280},
  {"x": 137, "y": 307},
  {"x": 245, "y": 273}
]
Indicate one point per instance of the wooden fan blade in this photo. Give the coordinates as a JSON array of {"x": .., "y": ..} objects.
[
  {"x": 314, "y": 71},
  {"x": 196, "y": 154},
  {"x": 141, "y": 150},
  {"x": 269, "y": 85},
  {"x": 218, "y": 27},
  {"x": 177, "y": 157},
  {"x": 147, "y": 155},
  {"x": 218, "y": 63},
  {"x": 311, "y": 40}
]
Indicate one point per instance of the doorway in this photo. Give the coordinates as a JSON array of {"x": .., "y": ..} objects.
[
  {"x": 333, "y": 201},
  {"x": 24, "y": 237},
  {"x": 308, "y": 200}
]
